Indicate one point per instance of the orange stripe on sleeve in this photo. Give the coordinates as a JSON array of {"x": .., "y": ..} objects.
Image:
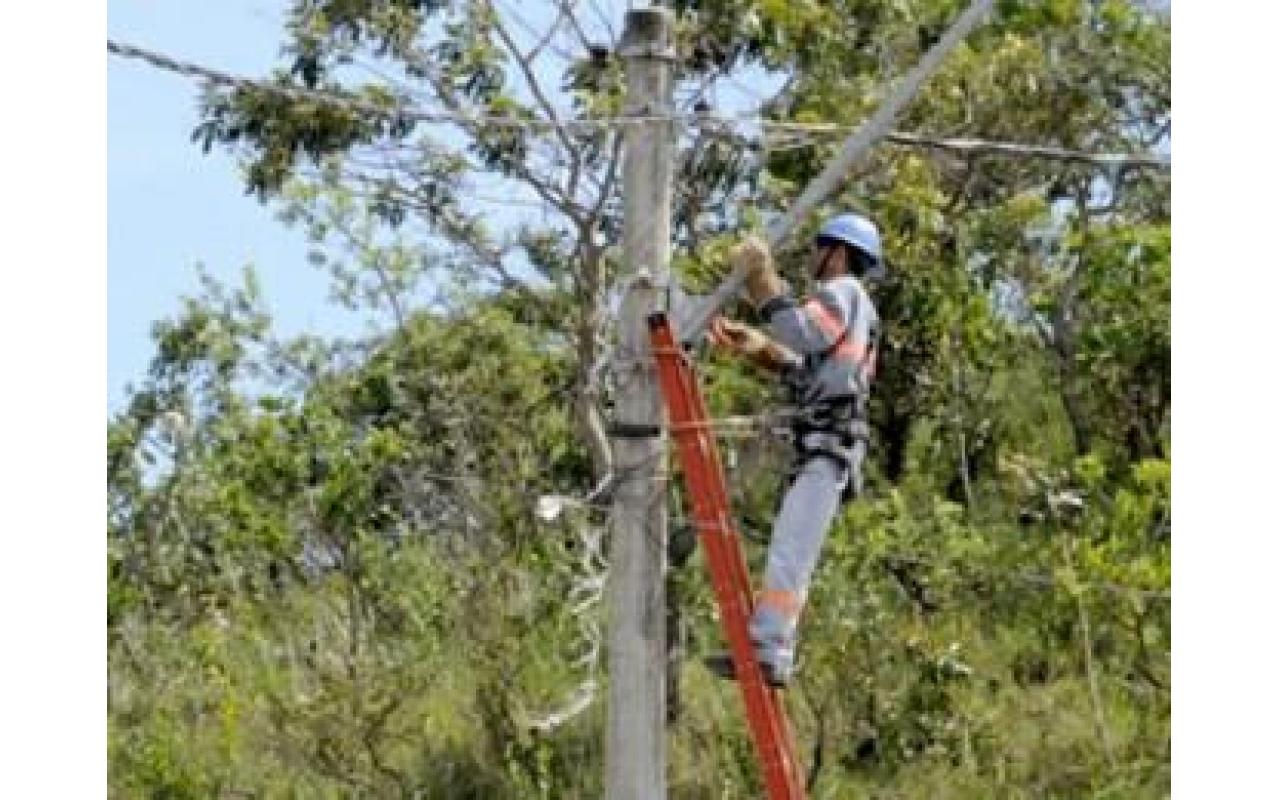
[
  {"x": 823, "y": 317},
  {"x": 788, "y": 603},
  {"x": 851, "y": 349}
]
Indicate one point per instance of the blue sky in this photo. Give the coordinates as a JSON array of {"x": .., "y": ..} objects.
[{"x": 169, "y": 206}]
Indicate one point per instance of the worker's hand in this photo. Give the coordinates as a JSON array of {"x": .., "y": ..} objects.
[
  {"x": 737, "y": 337},
  {"x": 752, "y": 253},
  {"x": 763, "y": 283},
  {"x": 754, "y": 344}
]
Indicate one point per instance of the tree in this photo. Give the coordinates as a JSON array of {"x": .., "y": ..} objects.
[{"x": 990, "y": 619}]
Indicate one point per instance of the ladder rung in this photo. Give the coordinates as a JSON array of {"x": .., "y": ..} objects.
[{"x": 682, "y": 427}]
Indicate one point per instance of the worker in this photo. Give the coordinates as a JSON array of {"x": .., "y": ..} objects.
[{"x": 824, "y": 350}]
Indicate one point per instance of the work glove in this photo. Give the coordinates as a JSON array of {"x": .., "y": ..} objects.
[
  {"x": 763, "y": 283},
  {"x": 745, "y": 340},
  {"x": 738, "y": 337}
]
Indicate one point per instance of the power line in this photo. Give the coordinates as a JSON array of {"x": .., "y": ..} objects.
[
  {"x": 981, "y": 146},
  {"x": 805, "y": 135},
  {"x": 355, "y": 104},
  {"x": 365, "y": 107},
  {"x": 1039, "y": 151},
  {"x": 404, "y": 112}
]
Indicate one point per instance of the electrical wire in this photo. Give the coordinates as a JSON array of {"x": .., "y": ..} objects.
[
  {"x": 725, "y": 123},
  {"x": 725, "y": 425},
  {"x": 357, "y": 105}
]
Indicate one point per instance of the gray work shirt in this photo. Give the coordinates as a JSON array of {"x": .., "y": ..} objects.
[{"x": 836, "y": 330}]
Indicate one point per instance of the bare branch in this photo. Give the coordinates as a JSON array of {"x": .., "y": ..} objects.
[
  {"x": 567, "y": 7},
  {"x": 446, "y": 220},
  {"x": 546, "y": 189},
  {"x": 526, "y": 68},
  {"x": 610, "y": 177},
  {"x": 542, "y": 43},
  {"x": 608, "y": 24}
]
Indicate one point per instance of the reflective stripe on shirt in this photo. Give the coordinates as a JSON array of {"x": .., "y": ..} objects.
[{"x": 851, "y": 349}]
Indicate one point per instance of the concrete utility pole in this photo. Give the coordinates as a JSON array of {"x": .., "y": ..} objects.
[{"x": 635, "y": 752}]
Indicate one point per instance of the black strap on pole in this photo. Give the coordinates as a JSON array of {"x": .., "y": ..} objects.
[{"x": 632, "y": 430}]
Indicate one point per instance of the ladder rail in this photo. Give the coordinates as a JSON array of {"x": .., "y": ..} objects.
[{"x": 704, "y": 477}]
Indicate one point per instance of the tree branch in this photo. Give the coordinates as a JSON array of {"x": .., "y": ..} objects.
[
  {"x": 547, "y": 190},
  {"x": 541, "y": 44},
  {"x": 541, "y": 98},
  {"x": 610, "y": 176},
  {"x": 567, "y": 8}
]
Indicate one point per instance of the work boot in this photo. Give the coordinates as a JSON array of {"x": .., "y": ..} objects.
[
  {"x": 774, "y": 636},
  {"x": 777, "y": 671}
]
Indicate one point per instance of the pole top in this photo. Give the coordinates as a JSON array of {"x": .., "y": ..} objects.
[{"x": 646, "y": 33}]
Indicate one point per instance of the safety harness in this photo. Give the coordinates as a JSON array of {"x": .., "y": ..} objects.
[
  {"x": 842, "y": 418},
  {"x": 841, "y": 423}
]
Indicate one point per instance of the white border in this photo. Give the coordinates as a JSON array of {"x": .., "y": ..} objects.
[
  {"x": 52, "y": 572},
  {"x": 1226, "y": 305}
]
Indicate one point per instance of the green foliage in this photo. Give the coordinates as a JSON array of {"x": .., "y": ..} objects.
[{"x": 326, "y": 574}]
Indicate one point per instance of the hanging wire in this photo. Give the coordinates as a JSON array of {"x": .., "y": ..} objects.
[
  {"x": 724, "y": 123},
  {"x": 804, "y": 135},
  {"x": 355, "y": 104}
]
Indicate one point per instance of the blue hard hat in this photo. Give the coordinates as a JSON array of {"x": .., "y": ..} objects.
[{"x": 859, "y": 233}]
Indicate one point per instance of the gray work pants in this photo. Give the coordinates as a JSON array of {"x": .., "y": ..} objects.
[{"x": 801, "y": 527}]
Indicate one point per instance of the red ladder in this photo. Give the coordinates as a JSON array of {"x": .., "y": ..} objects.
[{"x": 705, "y": 480}]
